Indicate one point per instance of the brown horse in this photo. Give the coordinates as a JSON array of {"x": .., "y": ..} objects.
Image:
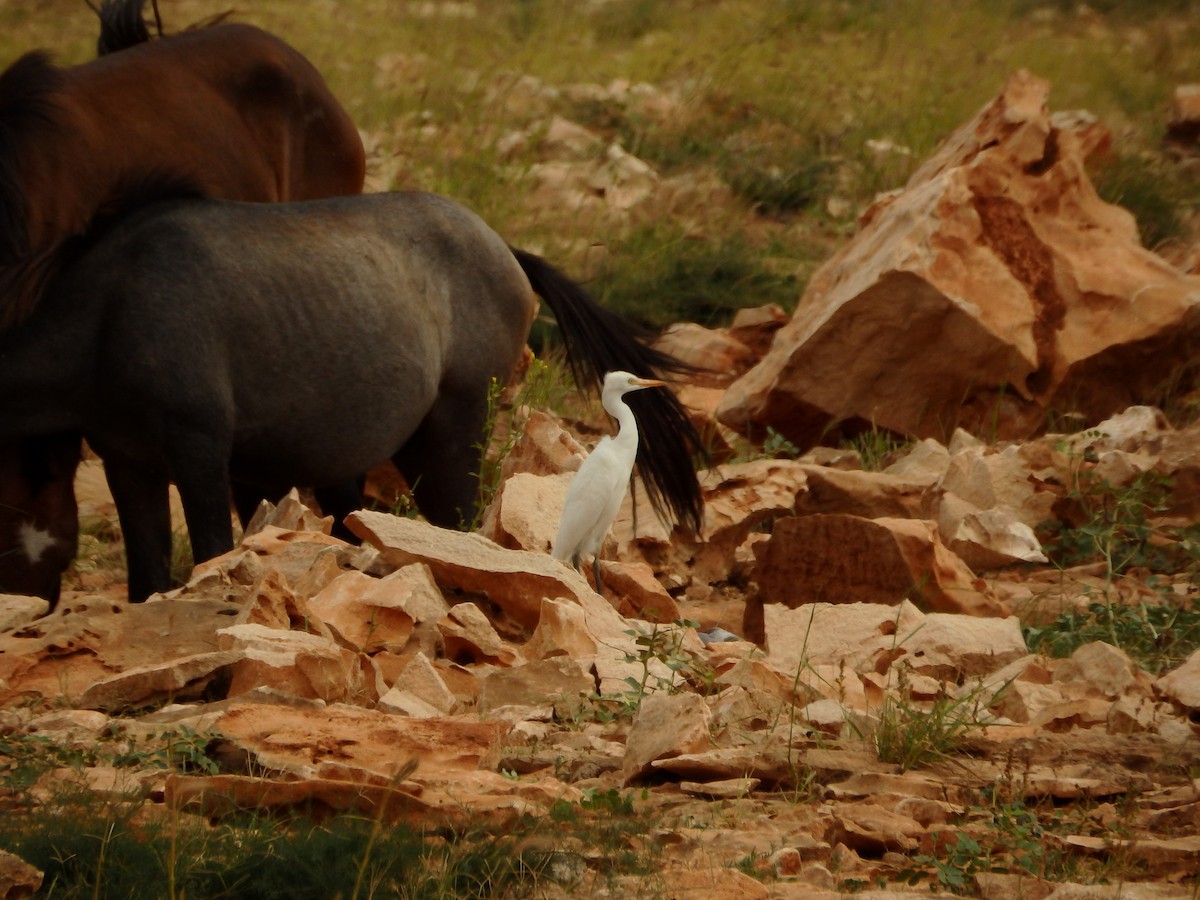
[{"x": 228, "y": 109}]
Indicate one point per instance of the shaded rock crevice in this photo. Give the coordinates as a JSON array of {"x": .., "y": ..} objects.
[{"x": 1007, "y": 232}]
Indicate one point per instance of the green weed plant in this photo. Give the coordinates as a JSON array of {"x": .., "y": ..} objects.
[
  {"x": 507, "y": 414},
  {"x": 911, "y": 734},
  {"x": 665, "y": 665},
  {"x": 1126, "y": 530},
  {"x": 1015, "y": 838}
]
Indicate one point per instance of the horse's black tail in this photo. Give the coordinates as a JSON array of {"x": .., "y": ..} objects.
[
  {"x": 598, "y": 341},
  {"x": 123, "y": 25}
]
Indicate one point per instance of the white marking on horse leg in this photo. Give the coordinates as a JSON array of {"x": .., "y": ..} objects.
[{"x": 34, "y": 541}]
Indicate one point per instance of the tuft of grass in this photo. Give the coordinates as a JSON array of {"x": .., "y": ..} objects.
[
  {"x": 658, "y": 275},
  {"x": 1156, "y": 190},
  {"x": 117, "y": 850},
  {"x": 1126, "y": 529},
  {"x": 877, "y": 448},
  {"x": 613, "y": 824},
  {"x": 507, "y": 411},
  {"x": 911, "y": 734},
  {"x": 102, "y": 550},
  {"x": 92, "y": 845}
]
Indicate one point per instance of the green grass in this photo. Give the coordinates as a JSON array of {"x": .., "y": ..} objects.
[
  {"x": 657, "y": 275},
  {"x": 129, "y": 851},
  {"x": 877, "y": 447},
  {"x": 92, "y": 845},
  {"x": 1125, "y": 529},
  {"x": 913, "y": 734},
  {"x": 102, "y": 550},
  {"x": 1158, "y": 192},
  {"x": 1017, "y": 839}
]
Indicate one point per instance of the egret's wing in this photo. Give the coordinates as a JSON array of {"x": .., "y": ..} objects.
[{"x": 592, "y": 502}]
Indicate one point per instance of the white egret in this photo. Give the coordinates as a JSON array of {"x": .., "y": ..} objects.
[{"x": 598, "y": 488}]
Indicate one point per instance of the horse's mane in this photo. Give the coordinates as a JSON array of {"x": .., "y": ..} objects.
[
  {"x": 123, "y": 24},
  {"x": 22, "y": 285},
  {"x": 27, "y": 90},
  {"x": 130, "y": 195},
  {"x": 27, "y": 102}
]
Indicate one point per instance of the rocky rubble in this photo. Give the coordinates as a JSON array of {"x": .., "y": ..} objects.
[
  {"x": 747, "y": 676},
  {"x": 402, "y": 677}
]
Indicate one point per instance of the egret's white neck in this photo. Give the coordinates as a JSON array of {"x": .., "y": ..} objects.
[{"x": 627, "y": 433}]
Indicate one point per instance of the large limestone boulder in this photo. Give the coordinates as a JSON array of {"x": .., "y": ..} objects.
[
  {"x": 996, "y": 287},
  {"x": 529, "y": 596},
  {"x": 848, "y": 559},
  {"x": 869, "y": 637}
]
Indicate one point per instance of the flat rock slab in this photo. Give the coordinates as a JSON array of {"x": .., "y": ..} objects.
[
  {"x": 515, "y": 580},
  {"x": 345, "y": 741},
  {"x": 102, "y": 638}
]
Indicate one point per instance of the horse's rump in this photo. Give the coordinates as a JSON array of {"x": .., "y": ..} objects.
[{"x": 311, "y": 313}]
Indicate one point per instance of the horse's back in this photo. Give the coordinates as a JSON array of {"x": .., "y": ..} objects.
[
  {"x": 315, "y": 277},
  {"x": 220, "y": 102},
  {"x": 365, "y": 242}
]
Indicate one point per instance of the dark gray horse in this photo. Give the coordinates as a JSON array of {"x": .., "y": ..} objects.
[{"x": 199, "y": 341}]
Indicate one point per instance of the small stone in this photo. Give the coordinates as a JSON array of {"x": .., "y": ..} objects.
[
  {"x": 729, "y": 789},
  {"x": 666, "y": 725},
  {"x": 1182, "y": 684}
]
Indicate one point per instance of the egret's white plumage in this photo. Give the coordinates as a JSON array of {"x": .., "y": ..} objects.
[{"x": 598, "y": 488}]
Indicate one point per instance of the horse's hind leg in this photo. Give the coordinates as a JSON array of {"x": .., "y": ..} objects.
[
  {"x": 339, "y": 500},
  {"x": 144, "y": 510},
  {"x": 441, "y": 461},
  {"x": 204, "y": 489}
]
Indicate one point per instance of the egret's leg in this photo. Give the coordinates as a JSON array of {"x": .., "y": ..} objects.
[{"x": 596, "y": 575}]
